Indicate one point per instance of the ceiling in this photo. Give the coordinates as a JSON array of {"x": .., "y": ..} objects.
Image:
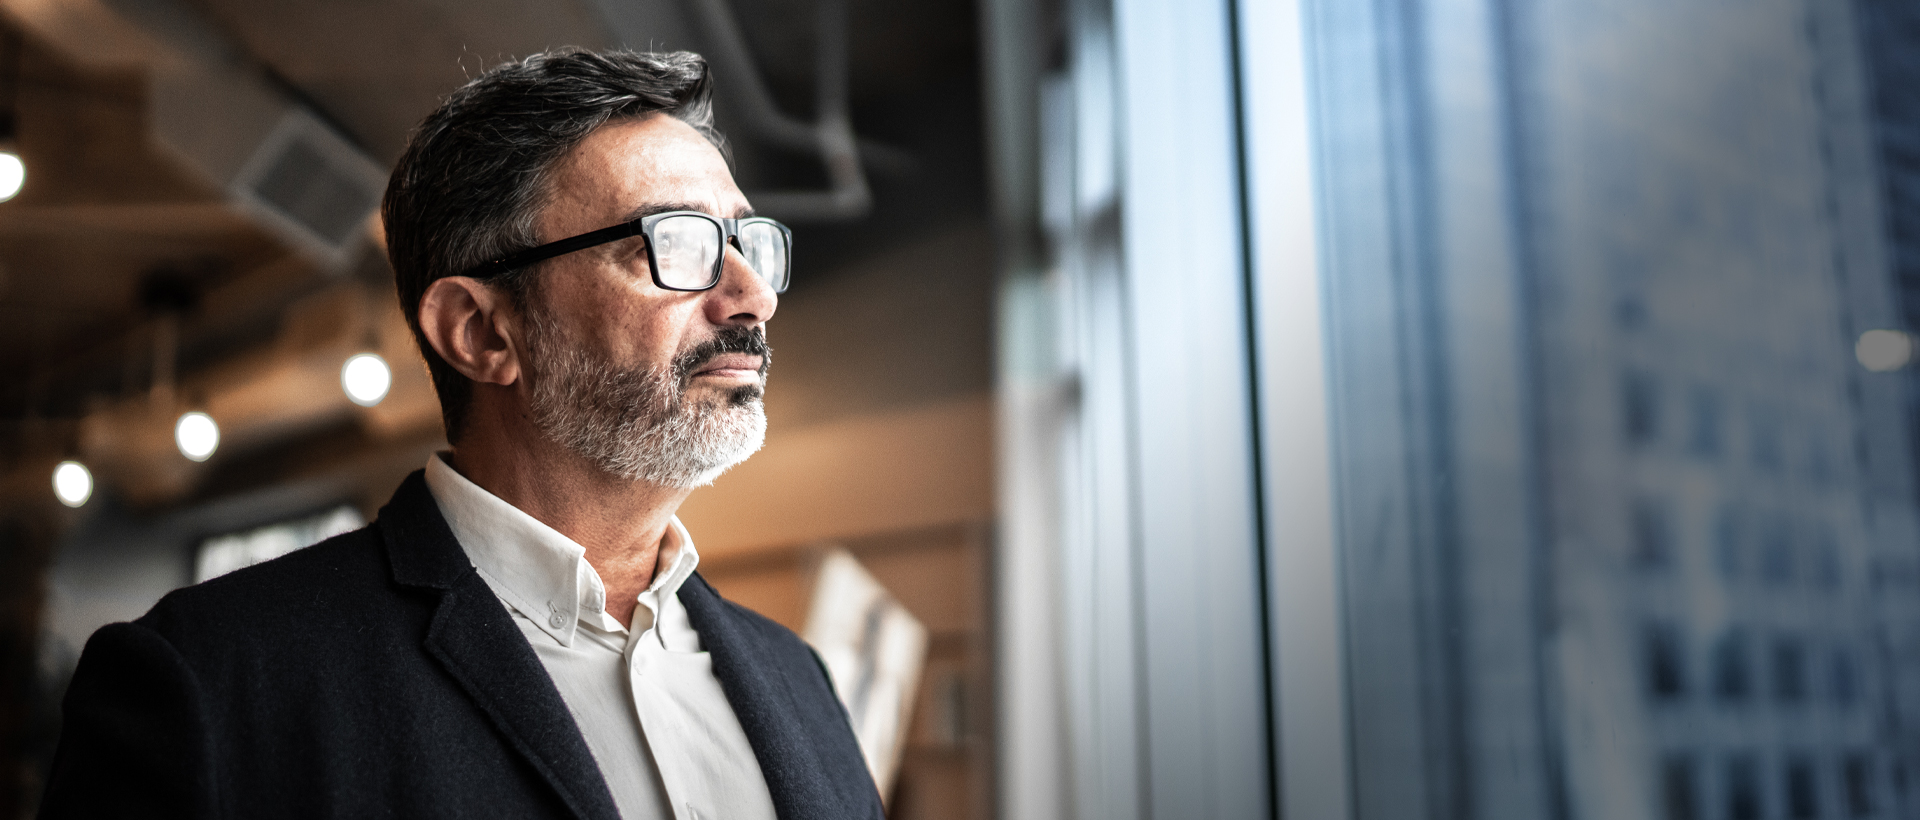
[{"x": 112, "y": 226}]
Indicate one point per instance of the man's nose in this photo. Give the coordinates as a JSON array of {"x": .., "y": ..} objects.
[{"x": 742, "y": 296}]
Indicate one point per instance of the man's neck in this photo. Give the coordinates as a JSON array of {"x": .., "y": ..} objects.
[{"x": 620, "y": 523}]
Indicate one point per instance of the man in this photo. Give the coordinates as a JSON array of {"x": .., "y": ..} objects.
[{"x": 521, "y": 633}]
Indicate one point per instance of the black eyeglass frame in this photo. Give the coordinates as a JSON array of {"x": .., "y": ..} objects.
[{"x": 729, "y": 235}]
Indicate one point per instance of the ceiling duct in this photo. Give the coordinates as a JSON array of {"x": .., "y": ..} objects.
[
  {"x": 312, "y": 186},
  {"x": 216, "y": 110},
  {"x": 830, "y": 135}
]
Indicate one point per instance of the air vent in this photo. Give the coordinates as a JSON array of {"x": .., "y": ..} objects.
[{"x": 312, "y": 186}]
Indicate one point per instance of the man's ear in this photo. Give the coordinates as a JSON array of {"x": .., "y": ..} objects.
[{"x": 472, "y": 327}]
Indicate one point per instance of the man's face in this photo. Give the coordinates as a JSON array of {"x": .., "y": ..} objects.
[{"x": 647, "y": 383}]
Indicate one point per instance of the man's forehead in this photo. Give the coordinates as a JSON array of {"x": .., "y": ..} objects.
[{"x": 633, "y": 168}]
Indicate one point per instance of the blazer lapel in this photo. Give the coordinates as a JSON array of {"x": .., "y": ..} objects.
[{"x": 474, "y": 637}]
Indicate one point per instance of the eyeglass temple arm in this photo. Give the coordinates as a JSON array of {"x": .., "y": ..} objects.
[{"x": 550, "y": 250}]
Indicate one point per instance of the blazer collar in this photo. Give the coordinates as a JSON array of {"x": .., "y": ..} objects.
[
  {"x": 421, "y": 547},
  {"x": 805, "y": 776},
  {"x": 474, "y": 637}
]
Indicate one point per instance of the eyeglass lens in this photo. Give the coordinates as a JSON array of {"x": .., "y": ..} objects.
[
  {"x": 685, "y": 248},
  {"x": 765, "y": 248}
]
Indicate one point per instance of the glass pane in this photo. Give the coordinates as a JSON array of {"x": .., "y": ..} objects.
[
  {"x": 765, "y": 247},
  {"x": 685, "y": 248},
  {"x": 1624, "y": 386}
]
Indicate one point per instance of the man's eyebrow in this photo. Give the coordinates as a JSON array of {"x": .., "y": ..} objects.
[{"x": 652, "y": 208}]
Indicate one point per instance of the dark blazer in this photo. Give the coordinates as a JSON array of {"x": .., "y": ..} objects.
[{"x": 376, "y": 675}]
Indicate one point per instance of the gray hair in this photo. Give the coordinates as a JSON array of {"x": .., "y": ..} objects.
[{"x": 476, "y": 172}]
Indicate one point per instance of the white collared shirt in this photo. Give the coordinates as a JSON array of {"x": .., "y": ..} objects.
[{"x": 646, "y": 699}]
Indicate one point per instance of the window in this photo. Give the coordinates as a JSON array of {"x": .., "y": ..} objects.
[
  {"x": 1789, "y": 671},
  {"x": 1703, "y": 423},
  {"x": 1732, "y": 678},
  {"x": 1726, "y": 543},
  {"x": 1665, "y": 667},
  {"x": 1803, "y": 792},
  {"x": 1640, "y": 408},
  {"x": 1856, "y": 775},
  {"x": 1677, "y": 795},
  {"x": 1820, "y": 461},
  {"x": 1486, "y": 402},
  {"x": 1776, "y": 553},
  {"x": 1824, "y": 551},
  {"x": 1743, "y": 788},
  {"x": 1652, "y": 537},
  {"x": 1763, "y": 439},
  {"x": 1844, "y": 682}
]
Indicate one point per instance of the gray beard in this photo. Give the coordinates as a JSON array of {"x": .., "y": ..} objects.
[{"x": 638, "y": 424}]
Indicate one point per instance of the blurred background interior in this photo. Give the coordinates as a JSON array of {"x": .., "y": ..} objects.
[{"x": 1408, "y": 409}]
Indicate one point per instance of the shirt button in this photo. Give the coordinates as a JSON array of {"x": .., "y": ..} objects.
[{"x": 556, "y": 620}]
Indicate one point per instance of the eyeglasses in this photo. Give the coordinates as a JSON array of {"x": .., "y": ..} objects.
[{"x": 685, "y": 249}]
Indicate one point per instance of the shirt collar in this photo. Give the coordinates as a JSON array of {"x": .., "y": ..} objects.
[
  {"x": 677, "y": 560},
  {"x": 536, "y": 569}
]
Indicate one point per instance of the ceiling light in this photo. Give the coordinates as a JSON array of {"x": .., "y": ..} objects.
[
  {"x": 197, "y": 435},
  {"x": 1882, "y": 351},
  {"x": 13, "y": 172},
  {"x": 13, "y": 175},
  {"x": 366, "y": 378},
  {"x": 72, "y": 484}
]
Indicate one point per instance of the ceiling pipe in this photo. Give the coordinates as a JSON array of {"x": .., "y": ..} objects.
[
  {"x": 831, "y": 133},
  {"x": 727, "y": 50}
]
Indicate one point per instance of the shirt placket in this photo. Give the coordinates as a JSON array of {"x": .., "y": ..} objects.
[{"x": 657, "y": 721}]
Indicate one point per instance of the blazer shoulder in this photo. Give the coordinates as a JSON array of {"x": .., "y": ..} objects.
[{"x": 325, "y": 581}]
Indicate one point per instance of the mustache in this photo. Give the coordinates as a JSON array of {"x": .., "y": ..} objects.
[{"x": 752, "y": 341}]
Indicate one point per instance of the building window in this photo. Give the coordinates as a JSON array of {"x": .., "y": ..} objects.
[
  {"x": 1789, "y": 671},
  {"x": 1776, "y": 553},
  {"x": 1703, "y": 423},
  {"x": 1732, "y": 678},
  {"x": 1820, "y": 461},
  {"x": 1726, "y": 543},
  {"x": 1763, "y": 439},
  {"x": 1743, "y": 788},
  {"x": 1856, "y": 774},
  {"x": 1844, "y": 681},
  {"x": 1677, "y": 788},
  {"x": 1803, "y": 792},
  {"x": 1665, "y": 665},
  {"x": 1825, "y": 554},
  {"x": 1652, "y": 536},
  {"x": 1641, "y": 408}
]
